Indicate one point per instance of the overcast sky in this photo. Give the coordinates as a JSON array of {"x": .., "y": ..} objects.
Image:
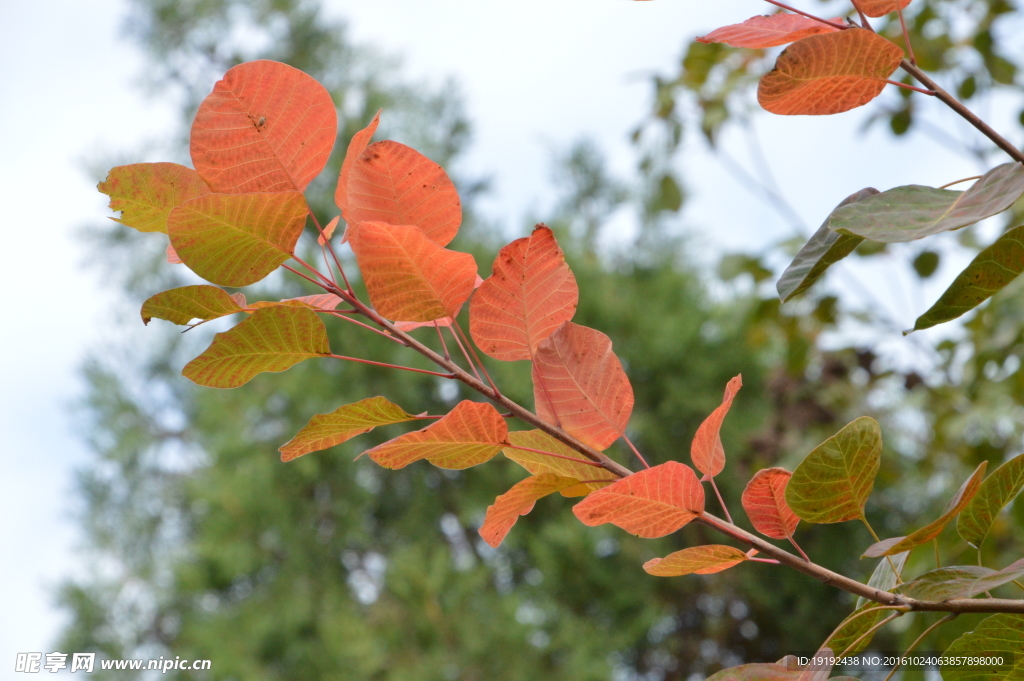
[{"x": 536, "y": 75}]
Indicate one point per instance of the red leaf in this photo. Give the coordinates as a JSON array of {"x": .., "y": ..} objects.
[
  {"x": 266, "y": 127},
  {"x": 706, "y": 450},
  {"x": 408, "y": 276},
  {"x": 390, "y": 182},
  {"x": 172, "y": 256},
  {"x": 879, "y": 8},
  {"x": 829, "y": 74},
  {"x": 529, "y": 293},
  {"x": 649, "y": 504},
  {"x": 472, "y": 433},
  {"x": 761, "y": 32},
  {"x": 518, "y": 501},
  {"x": 764, "y": 500},
  {"x": 579, "y": 385},
  {"x": 356, "y": 146},
  {"x": 698, "y": 560}
]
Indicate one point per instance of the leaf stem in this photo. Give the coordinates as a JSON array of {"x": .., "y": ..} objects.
[
  {"x": 950, "y": 184},
  {"x": 930, "y": 93},
  {"x": 309, "y": 279},
  {"x": 469, "y": 362},
  {"x": 721, "y": 501},
  {"x": 557, "y": 456},
  {"x": 935, "y": 545},
  {"x": 797, "y": 547},
  {"x": 440, "y": 337},
  {"x": 641, "y": 456},
  {"x": 390, "y": 366},
  {"x": 312, "y": 269},
  {"x": 337, "y": 314},
  {"x": 330, "y": 247},
  {"x": 899, "y": 578},
  {"x": 947, "y": 618},
  {"x": 906, "y": 37},
  {"x": 809, "y": 16},
  {"x": 480, "y": 362}
]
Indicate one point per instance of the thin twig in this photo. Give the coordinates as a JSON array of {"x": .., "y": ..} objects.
[
  {"x": 465, "y": 354},
  {"x": 721, "y": 501},
  {"x": 330, "y": 247},
  {"x": 899, "y": 579},
  {"x": 480, "y": 362},
  {"x": 797, "y": 547},
  {"x": 930, "y": 93},
  {"x": 440, "y": 337},
  {"x": 390, "y": 366},
  {"x": 906, "y": 36},
  {"x": 809, "y": 16},
  {"x": 338, "y": 314},
  {"x": 557, "y": 456},
  {"x": 639, "y": 455}
]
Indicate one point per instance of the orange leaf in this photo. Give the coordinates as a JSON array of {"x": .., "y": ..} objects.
[
  {"x": 538, "y": 463},
  {"x": 706, "y": 449},
  {"x": 328, "y": 231},
  {"x": 266, "y": 127},
  {"x": 828, "y": 74},
  {"x": 408, "y": 276},
  {"x": 529, "y": 293},
  {"x": 879, "y": 8},
  {"x": 519, "y": 500},
  {"x": 579, "y": 385},
  {"x": 319, "y": 301},
  {"x": 172, "y": 256},
  {"x": 356, "y": 146},
  {"x": 761, "y": 32},
  {"x": 470, "y": 434},
  {"x": 390, "y": 182},
  {"x": 699, "y": 560},
  {"x": 764, "y": 500},
  {"x": 649, "y": 504}
]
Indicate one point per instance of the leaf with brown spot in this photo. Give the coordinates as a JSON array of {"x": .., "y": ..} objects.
[
  {"x": 182, "y": 305},
  {"x": 356, "y": 146},
  {"x": 470, "y": 434},
  {"x": 408, "y": 276},
  {"x": 344, "y": 423},
  {"x": 761, "y": 32},
  {"x": 650, "y": 504},
  {"x": 539, "y": 464},
  {"x": 579, "y": 385},
  {"x": 146, "y": 193},
  {"x": 764, "y": 500},
  {"x": 530, "y": 292},
  {"x": 963, "y": 496},
  {"x": 266, "y": 127},
  {"x": 829, "y": 74},
  {"x": 879, "y": 8},
  {"x": 518, "y": 501},
  {"x": 698, "y": 560},
  {"x": 390, "y": 182},
  {"x": 706, "y": 450}
]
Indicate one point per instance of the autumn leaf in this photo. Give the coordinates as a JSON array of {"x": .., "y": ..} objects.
[
  {"x": 266, "y": 127},
  {"x": 273, "y": 340},
  {"x": 356, "y": 146},
  {"x": 530, "y": 292},
  {"x": 172, "y": 256},
  {"x": 833, "y": 482},
  {"x": 408, "y": 276},
  {"x": 854, "y": 634},
  {"x": 470, "y": 434},
  {"x": 824, "y": 249},
  {"x": 579, "y": 385},
  {"x": 914, "y": 212},
  {"x": 146, "y": 193},
  {"x": 764, "y": 500},
  {"x": 879, "y": 8},
  {"x": 699, "y": 560},
  {"x": 960, "y": 581},
  {"x": 762, "y": 32},
  {"x": 518, "y": 501},
  {"x": 650, "y": 504},
  {"x": 237, "y": 239},
  {"x": 182, "y": 305},
  {"x": 706, "y": 450},
  {"x": 328, "y": 232},
  {"x": 989, "y": 272},
  {"x": 318, "y": 301},
  {"x": 963, "y": 496},
  {"x": 995, "y": 492},
  {"x": 829, "y": 74},
  {"x": 392, "y": 183},
  {"x": 884, "y": 577},
  {"x": 998, "y": 636},
  {"x": 344, "y": 423},
  {"x": 538, "y": 464}
]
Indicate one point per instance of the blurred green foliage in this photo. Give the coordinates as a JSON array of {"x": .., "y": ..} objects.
[{"x": 206, "y": 546}]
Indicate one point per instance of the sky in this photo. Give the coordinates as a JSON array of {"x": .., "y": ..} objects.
[{"x": 535, "y": 75}]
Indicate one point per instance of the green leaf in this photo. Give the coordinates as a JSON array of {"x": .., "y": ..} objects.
[
  {"x": 272, "y": 339},
  {"x": 146, "y": 193},
  {"x": 963, "y": 496},
  {"x": 988, "y": 273},
  {"x": 833, "y": 482},
  {"x": 913, "y": 212},
  {"x": 960, "y": 581},
  {"x": 996, "y": 491},
  {"x": 824, "y": 249},
  {"x": 344, "y": 423},
  {"x": 883, "y": 578},
  {"x": 237, "y": 239},
  {"x": 182, "y": 305},
  {"x": 853, "y": 627},
  {"x": 996, "y": 636}
]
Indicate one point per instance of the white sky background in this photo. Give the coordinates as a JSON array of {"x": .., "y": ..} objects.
[{"x": 536, "y": 75}]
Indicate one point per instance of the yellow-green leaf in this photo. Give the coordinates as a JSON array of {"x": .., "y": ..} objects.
[
  {"x": 698, "y": 560},
  {"x": 182, "y": 305},
  {"x": 996, "y": 636},
  {"x": 996, "y": 491},
  {"x": 539, "y": 464},
  {"x": 963, "y": 496},
  {"x": 960, "y": 581},
  {"x": 344, "y": 423},
  {"x": 272, "y": 339},
  {"x": 833, "y": 482},
  {"x": 237, "y": 239},
  {"x": 988, "y": 273},
  {"x": 146, "y": 193},
  {"x": 844, "y": 639}
]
